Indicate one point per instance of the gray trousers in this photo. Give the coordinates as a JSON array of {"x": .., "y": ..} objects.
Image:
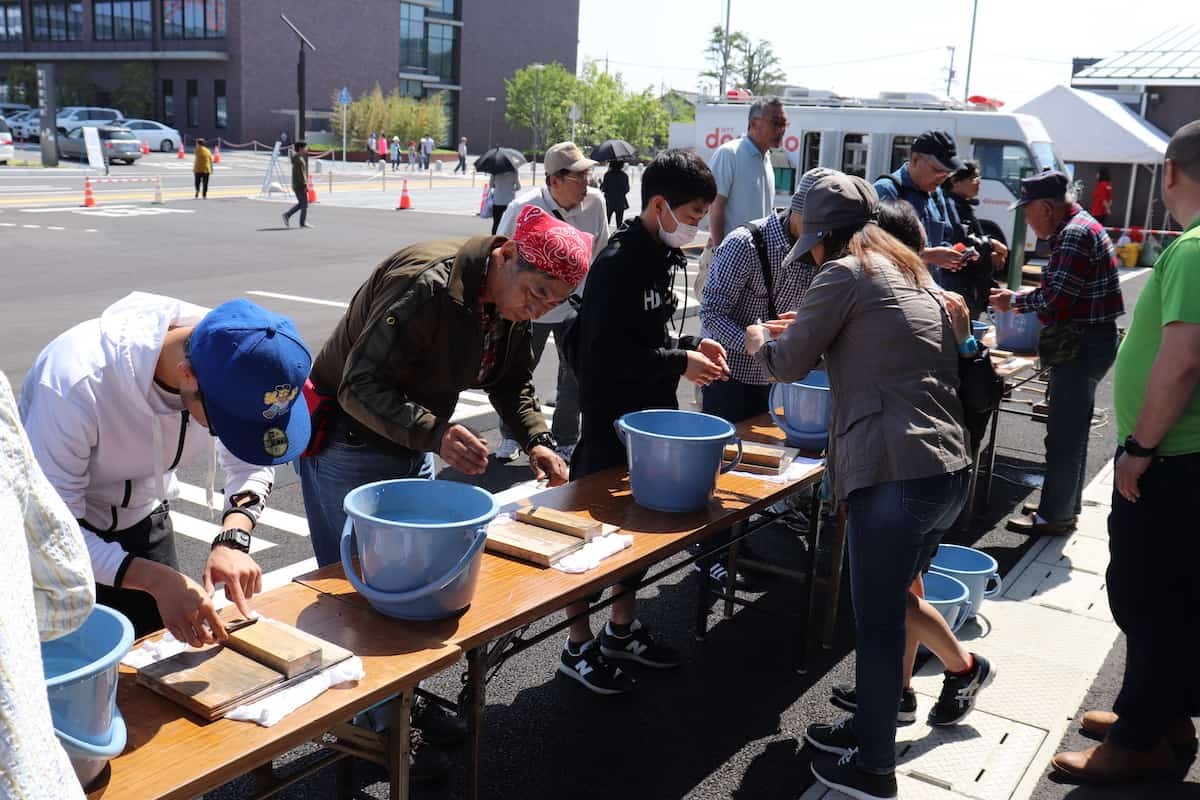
[{"x": 565, "y": 424}]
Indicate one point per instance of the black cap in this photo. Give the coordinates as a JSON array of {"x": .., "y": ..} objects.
[
  {"x": 940, "y": 145},
  {"x": 1046, "y": 185}
]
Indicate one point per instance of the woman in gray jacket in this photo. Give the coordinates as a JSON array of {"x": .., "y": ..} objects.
[{"x": 898, "y": 455}]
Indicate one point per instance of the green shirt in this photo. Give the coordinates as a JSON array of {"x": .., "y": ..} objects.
[
  {"x": 299, "y": 172},
  {"x": 1171, "y": 295}
]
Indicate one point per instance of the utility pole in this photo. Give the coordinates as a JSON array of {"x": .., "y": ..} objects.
[
  {"x": 950, "y": 73},
  {"x": 537, "y": 115},
  {"x": 300, "y": 103},
  {"x": 971, "y": 52},
  {"x": 725, "y": 48},
  {"x": 491, "y": 101}
]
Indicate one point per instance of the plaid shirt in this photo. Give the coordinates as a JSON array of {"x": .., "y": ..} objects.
[
  {"x": 1080, "y": 283},
  {"x": 735, "y": 295}
]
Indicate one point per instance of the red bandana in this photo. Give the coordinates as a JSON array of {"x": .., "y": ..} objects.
[{"x": 554, "y": 247}]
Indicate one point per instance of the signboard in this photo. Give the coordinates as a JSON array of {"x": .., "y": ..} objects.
[
  {"x": 91, "y": 140},
  {"x": 46, "y": 102},
  {"x": 344, "y": 98}
]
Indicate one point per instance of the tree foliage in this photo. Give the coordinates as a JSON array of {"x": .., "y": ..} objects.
[
  {"x": 392, "y": 114},
  {"x": 758, "y": 69},
  {"x": 540, "y": 103},
  {"x": 643, "y": 122},
  {"x": 134, "y": 95},
  {"x": 722, "y": 53},
  {"x": 75, "y": 86},
  {"x": 22, "y": 84}
]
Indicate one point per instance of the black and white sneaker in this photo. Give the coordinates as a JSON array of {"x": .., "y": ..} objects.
[
  {"x": 638, "y": 646},
  {"x": 438, "y": 725},
  {"x": 843, "y": 775},
  {"x": 717, "y": 575},
  {"x": 838, "y": 737},
  {"x": 959, "y": 692},
  {"x": 845, "y": 697},
  {"x": 592, "y": 670}
]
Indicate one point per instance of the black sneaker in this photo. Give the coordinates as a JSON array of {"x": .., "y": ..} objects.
[
  {"x": 590, "y": 668},
  {"x": 438, "y": 725},
  {"x": 843, "y": 775},
  {"x": 960, "y": 691},
  {"x": 426, "y": 765},
  {"x": 638, "y": 646},
  {"x": 845, "y": 697},
  {"x": 838, "y": 737}
]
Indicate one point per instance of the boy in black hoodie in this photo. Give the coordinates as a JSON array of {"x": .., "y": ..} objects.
[{"x": 626, "y": 360}]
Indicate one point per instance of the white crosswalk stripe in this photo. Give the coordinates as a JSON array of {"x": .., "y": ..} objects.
[
  {"x": 272, "y": 518},
  {"x": 203, "y": 531}
]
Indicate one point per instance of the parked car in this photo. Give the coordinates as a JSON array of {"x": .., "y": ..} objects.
[
  {"x": 7, "y": 110},
  {"x": 78, "y": 116},
  {"x": 18, "y": 122},
  {"x": 118, "y": 144},
  {"x": 158, "y": 136},
  {"x": 6, "y": 145}
]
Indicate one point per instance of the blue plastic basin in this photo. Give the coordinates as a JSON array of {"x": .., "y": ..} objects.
[
  {"x": 87, "y": 758},
  {"x": 675, "y": 456},
  {"x": 1017, "y": 332},
  {"x": 974, "y": 568},
  {"x": 978, "y": 329},
  {"x": 81, "y": 674},
  {"x": 949, "y": 596},
  {"x": 807, "y": 405},
  {"x": 419, "y": 543}
]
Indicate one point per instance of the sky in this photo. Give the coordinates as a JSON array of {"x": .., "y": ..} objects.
[{"x": 1022, "y": 47}]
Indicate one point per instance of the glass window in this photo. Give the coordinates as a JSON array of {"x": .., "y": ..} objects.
[
  {"x": 57, "y": 21},
  {"x": 410, "y": 88},
  {"x": 901, "y": 147},
  {"x": 172, "y": 14},
  {"x": 442, "y": 8},
  {"x": 1006, "y": 162},
  {"x": 193, "y": 104},
  {"x": 168, "y": 98},
  {"x": 102, "y": 20},
  {"x": 412, "y": 38},
  {"x": 214, "y": 19},
  {"x": 10, "y": 22},
  {"x": 854, "y": 154},
  {"x": 440, "y": 43},
  {"x": 142, "y": 26},
  {"x": 1046, "y": 157},
  {"x": 192, "y": 19},
  {"x": 812, "y": 150},
  {"x": 222, "y": 105}
]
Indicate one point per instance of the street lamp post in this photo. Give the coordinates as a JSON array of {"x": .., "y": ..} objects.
[
  {"x": 537, "y": 115},
  {"x": 491, "y": 101},
  {"x": 300, "y": 101},
  {"x": 971, "y": 52}
]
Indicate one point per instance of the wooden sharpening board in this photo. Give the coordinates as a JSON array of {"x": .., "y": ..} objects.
[
  {"x": 531, "y": 543},
  {"x": 274, "y": 645},
  {"x": 757, "y": 460},
  {"x": 560, "y": 521}
]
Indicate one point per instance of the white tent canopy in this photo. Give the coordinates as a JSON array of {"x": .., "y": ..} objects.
[{"x": 1090, "y": 128}]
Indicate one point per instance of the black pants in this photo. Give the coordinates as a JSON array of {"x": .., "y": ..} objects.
[
  {"x": 462, "y": 165},
  {"x": 202, "y": 183},
  {"x": 153, "y": 538},
  {"x": 617, "y": 215},
  {"x": 497, "y": 213},
  {"x": 371, "y": 155},
  {"x": 301, "y": 205},
  {"x": 1154, "y": 594},
  {"x": 733, "y": 401}
]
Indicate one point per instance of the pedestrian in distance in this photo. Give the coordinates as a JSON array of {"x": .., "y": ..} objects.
[
  {"x": 504, "y": 186},
  {"x": 381, "y": 147},
  {"x": 1102, "y": 196},
  {"x": 615, "y": 188},
  {"x": 462, "y": 156},
  {"x": 412, "y": 156},
  {"x": 299, "y": 186},
  {"x": 426, "y": 150},
  {"x": 202, "y": 168},
  {"x": 370, "y": 148},
  {"x": 394, "y": 153}
]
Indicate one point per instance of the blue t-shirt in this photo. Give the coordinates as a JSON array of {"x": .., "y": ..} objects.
[
  {"x": 937, "y": 216},
  {"x": 746, "y": 179}
]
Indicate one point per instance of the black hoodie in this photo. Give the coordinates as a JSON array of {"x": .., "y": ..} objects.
[{"x": 620, "y": 348}]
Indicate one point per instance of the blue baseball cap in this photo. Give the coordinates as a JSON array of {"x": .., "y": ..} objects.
[{"x": 251, "y": 365}]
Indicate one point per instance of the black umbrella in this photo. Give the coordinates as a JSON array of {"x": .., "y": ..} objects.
[
  {"x": 614, "y": 150},
  {"x": 499, "y": 160}
]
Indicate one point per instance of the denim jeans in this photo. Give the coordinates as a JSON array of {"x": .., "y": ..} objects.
[
  {"x": 347, "y": 463},
  {"x": 1153, "y": 592},
  {"x": 893, "y": 529},
  {"x": 735, "y": 401},
  {"x": 565, "y": 424},
  {"x": 1072, "y": 398}
]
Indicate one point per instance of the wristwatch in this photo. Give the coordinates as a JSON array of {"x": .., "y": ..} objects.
[
  {"x": 541, "y": 440},
  {"x": 1138, "y": 451},
  {"x": 236, "y": 538},
  {"x": 969, "y": 347}
]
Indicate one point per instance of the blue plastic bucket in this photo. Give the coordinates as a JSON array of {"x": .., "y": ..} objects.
[
  {"x": 1017, "y": 332},
  {"x": 81, "y": 675},
  {"x": 978, "y": 329},
  {"x": 675, "y": 456},
  {"x": 949, "y": 596},
  {"x": 88, "y": 758},
  {"x": 807, "y": 405},
  {"x": 419, "y": 543},
  {"x": 975, "y": 568}
]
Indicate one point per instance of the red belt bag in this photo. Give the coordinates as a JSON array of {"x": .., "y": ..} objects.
[{"x": 322, "y": 410}]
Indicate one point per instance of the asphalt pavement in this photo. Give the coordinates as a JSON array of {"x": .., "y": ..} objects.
[{"x": 726, "y": 725}]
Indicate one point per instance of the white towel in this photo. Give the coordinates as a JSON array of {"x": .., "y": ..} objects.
[
  {"x": 591, "y": 554},
  {"x": 795, "y": 471},
  {"x": 271, "y": 709}
]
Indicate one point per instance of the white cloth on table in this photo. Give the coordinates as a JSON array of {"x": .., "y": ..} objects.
[{"x": 591, "y": 554}]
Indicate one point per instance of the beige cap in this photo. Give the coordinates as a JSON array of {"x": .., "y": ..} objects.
[{"x": 566, "y": 155}]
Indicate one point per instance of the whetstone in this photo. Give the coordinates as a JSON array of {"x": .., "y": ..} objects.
[
  {"x": 277, "y": 647},
  {"x": 560, "y": 521},
  {"x": 531, "y": 543},
  {"x": 759, "y": 455}
]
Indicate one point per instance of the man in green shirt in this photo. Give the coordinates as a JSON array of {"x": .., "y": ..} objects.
[
  {"x": 299, "y": 185},
  {"x": 1154, "y": 533}
]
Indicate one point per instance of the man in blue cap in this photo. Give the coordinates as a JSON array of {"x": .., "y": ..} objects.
[
  {"x": 114, "y": 405},
  {"x": 1079, "y": 301}
]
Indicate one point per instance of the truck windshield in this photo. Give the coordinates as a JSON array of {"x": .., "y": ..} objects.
[
  {"x": 1006, "y": 162},
  {"x": 1046, "y": 157}
]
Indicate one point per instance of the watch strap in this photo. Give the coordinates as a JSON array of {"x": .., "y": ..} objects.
[{"x": 1136, "y": 449}]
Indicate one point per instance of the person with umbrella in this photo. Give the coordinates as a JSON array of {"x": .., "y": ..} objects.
[
  {"x": 503, "y": 163},
  {"x": 615, "y": 188}
]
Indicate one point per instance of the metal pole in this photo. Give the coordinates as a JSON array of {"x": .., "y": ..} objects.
[
  {"x": 725, "y": 50},
  {"x": 491, "y": 101},
  {"x": 970, "y": 52},
  {"x": 950, "y": 71},
  {"x": 345, "y": 108},
  {"x": 537, "y": 117},
  {"x": 300, "y": 92},
  {"x": 1016, "y": 251},
  {"x": 1129, "y": 197}
]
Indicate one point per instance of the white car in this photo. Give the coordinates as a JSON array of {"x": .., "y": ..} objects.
[
  {"x": 158, "y": 136},
  {"x": 16, "y": 123},
  {"x": 6, "y": 145},
  {"x": 77, "y": 116}
]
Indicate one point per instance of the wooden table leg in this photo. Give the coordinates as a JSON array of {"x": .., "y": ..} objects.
[
  {"x": 731, "y": 568},
  {"x": 809, "y": 588},
  {"x": 398, "y": 745},
  {"x": 987, "y": 487},
  {"x": 475, "y": 694}
]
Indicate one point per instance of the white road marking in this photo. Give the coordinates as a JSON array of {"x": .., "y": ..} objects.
[
  {"x": 90, "y": 230},
  {"x": 31, "y": 226},
  {"x": 271, "y": 517},
  {"x": 205, "y": 532},
  {"x": 1127, "y": 275},
  {"x": 273, "y": 579},
  {"x": 29, "y": 187},
  {"x": 55, "y": 228},
  {"x": 299, "y": 299},
  {"x": 8, "y": 224}
]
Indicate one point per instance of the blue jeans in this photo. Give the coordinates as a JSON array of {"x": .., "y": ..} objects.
[
  {"x": 1072, "y": 398},
  {"x": 344, "y": 465},
  {"x": 735, "y": 401},
  {"x": 893, "y": 530}
]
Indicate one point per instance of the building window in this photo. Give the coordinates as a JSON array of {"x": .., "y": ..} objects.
[
  {"x": 412, "y": 38},
  {"x": 10, "y": 22},
  {"x": 222, "y": 104},
  {"x": 168, "y": 97},
  {"x": 440, "y": 41},
  {"x": 193, "y": 19},
  {"x": 442, "y": 8},
  {"x": 57, "y": 21},
  {"x": 812, "y": 151},
  {"x": 854, "y": 154},
  {"x": 901, "y": 148},
  {"x": 122, "y": 20},
  {"x": 193, "y": 104},
  {"x": 410, "y": 88}
]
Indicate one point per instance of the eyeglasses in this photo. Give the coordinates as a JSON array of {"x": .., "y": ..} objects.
[{"x": 775, "y": 122}]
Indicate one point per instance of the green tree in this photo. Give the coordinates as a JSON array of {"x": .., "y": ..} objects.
[
  {"x": 679, "y": 107},
  {"x": 557, "y": 90},
  {"x": 598, "y": 96},
  {"x": 722, "y": 53},
  {"x": 75, "y": 87},
  {"x": 642, "y": 121},
  {"x": 758, "y": 69},
  {"x": 135, "y": 93},
  {"x": 392, "y": 114},
  {"x": 22, "y": 84}
]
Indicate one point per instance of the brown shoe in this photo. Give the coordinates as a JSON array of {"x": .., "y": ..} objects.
[
  {"x": 1108, "y": 763},
  {"x": 1031, "y": 527},
  {"x": 1181, "y": 734}
]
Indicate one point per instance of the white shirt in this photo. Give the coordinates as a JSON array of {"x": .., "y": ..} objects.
[
  {"x": 46, "y": 591},
  {"x": 590, "y": 216},
  {"x": 462, "y": 149}
]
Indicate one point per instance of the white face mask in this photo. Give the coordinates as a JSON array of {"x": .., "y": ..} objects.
[{"x": 682, "y": 235}]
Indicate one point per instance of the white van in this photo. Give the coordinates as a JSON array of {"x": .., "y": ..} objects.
[{"x": 869, "y": 138}]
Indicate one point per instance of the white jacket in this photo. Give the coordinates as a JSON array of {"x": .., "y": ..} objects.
[{"x": 102, "y": 435}]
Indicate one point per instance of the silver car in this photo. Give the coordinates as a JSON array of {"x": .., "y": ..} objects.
[{"x": 117, "y": 144}]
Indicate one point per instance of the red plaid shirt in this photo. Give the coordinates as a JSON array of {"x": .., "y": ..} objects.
[{"x": 1080, "y": 283}]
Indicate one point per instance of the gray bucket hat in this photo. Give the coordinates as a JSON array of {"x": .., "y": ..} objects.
[{"x": 833, "y": 202}]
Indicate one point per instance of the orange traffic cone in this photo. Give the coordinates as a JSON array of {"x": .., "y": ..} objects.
[
  {"x": 405, "y": 200},
  {"x": 312, "y": 192},
  {"x": 89, "y": 199},
  {"x": 483, "y": 201},
  {"x": 180, "y": 154},
  {"x": 145, "y": 146},
  {"x": 217, "y": 154}
]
